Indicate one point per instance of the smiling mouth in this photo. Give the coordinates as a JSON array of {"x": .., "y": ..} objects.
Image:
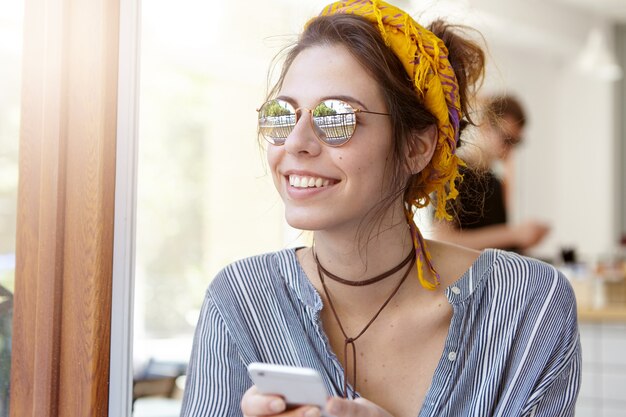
[{"x": 302, "y": 181}]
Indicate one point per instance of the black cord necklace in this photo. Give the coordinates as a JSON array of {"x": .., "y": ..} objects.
[{"x": 350, "y": 341}]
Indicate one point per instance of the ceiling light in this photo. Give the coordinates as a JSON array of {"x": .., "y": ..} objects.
[{"x": 597, "y": 57}]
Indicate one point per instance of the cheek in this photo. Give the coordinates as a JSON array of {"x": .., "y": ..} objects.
[
  {"x": 370, "y": 168},
  {"x": 273, "y": 156}
]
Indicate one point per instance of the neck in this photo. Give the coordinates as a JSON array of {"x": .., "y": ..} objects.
[{"x": 358, "y": 257}]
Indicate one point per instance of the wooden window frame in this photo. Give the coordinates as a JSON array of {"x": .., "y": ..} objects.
[{"x": 68, "y": 214}]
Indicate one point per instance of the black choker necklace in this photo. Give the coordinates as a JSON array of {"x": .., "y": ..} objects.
[{"x": 377, "y": 278}]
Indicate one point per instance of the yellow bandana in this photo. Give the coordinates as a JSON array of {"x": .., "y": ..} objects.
[{"x": 425, "y": 59}]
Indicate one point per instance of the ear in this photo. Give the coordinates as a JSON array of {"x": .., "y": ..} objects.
[{"x": 420, "y": 148}]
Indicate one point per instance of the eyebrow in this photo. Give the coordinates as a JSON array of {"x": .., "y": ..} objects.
[{"x": 346, "y": 98}]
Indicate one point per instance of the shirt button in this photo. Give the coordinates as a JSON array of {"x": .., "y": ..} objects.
[
  {"x": 452, "y": 356},
  {"x": 456, "y": 290}
]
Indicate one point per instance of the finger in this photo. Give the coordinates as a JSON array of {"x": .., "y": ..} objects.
[
  {"x": 339, "y": 407},
  {"x": 309, "y": 411},
  {"x": 255, "y": 404},
  {"x": 302, "y": 411},
  {"x": 360, "y": 407},
  {"x": 367, "y": 403}
]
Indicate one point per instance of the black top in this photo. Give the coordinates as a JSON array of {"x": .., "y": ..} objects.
[{"x": 480, "y": 202}]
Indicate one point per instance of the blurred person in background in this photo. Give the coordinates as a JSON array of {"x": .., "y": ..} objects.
[{"x": 482, "y": 208}]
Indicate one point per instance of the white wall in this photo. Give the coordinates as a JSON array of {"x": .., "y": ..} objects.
[{"x": 566, "y": 171}]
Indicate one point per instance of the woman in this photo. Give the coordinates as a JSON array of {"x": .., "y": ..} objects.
[{"x": 363, "y": 126}]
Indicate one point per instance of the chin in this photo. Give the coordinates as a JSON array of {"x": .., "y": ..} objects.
[
  {"x": 307, "y": 221},
  {"x": 302, "y": 223}
]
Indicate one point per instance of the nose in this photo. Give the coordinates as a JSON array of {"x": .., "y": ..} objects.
[{"x": 302, "y": 139}]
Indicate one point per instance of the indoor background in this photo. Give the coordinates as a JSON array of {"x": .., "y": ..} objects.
[{"x": 204, "y": 198}]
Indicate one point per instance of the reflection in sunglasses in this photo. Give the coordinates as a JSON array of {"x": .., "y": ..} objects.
[{"x": 333, "y": 120}]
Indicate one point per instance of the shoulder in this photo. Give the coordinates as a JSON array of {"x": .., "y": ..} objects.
[
  {"x": 256, "y": 302},
  {"x": 258, "y": 286},
  {"x": 254, "y": 273},
  {"x": 498, "y": 271},
  {"x": 527, "y": 284},
  {"x": 537, "y": 303},
  {"x": 520, "y": 302},
  {"x": 528, "y": 272}
]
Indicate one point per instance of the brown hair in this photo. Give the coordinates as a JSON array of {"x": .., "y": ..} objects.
[
  {"x": 497, "y": 107},
  {"x": 408, "y": 114}
]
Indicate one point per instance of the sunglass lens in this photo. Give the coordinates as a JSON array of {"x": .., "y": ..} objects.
[
  {"x": 334, "y": 121},
  {"x": 277, "y": 119}
]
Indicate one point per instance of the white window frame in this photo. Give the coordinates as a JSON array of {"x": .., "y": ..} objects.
[{"x": 121, "y": 365}]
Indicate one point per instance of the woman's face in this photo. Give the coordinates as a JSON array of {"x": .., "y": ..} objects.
[{"x": 346, "y": 181}]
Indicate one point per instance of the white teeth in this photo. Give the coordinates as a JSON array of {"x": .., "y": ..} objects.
[{"x": 308, "y": 182}]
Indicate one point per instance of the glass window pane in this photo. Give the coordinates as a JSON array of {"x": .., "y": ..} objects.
[
  {"x": 11, "y": 21},
  {"x": 204, "y": 196}
]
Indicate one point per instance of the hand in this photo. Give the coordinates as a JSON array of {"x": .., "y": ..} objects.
[
  {"x": 339, "y": 407},
  {"x": 255, "y": 404},
  {"x": 530, "y": 233}
]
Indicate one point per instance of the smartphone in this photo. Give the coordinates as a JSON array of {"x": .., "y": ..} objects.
[{"x": 298, "y": 386}]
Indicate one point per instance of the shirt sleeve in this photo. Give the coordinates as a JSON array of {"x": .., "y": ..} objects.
[
  {"x": 556, "y": 390},
  {"x": 216, "y": 377},
  {"x": 559, "y": 398}
]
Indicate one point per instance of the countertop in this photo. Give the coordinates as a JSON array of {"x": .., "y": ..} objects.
[
  {"x": 610, "y": 313},
  {"x": 600, "y": 300}
]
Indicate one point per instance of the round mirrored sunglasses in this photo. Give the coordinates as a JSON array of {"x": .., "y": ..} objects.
[{"x": 333, "y": 120}]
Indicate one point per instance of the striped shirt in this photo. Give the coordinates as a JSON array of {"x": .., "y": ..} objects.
[{"x": 512, "y": 348}]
